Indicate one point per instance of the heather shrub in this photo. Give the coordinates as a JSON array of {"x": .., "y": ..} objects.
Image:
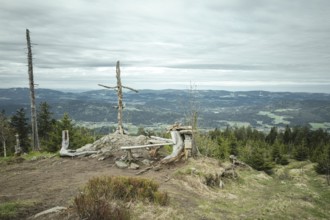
[{"x": 105, "y": 197}]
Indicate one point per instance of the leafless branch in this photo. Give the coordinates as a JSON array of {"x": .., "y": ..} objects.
[{"x": 108, "y": 87}]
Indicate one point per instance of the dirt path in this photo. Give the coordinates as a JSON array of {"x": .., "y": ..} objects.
[{"x": 54, "y": 182}]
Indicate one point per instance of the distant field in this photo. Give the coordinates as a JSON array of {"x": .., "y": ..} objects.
[
  {"x": 277, "y": 119},
  {"x": 324, "y": 125}
]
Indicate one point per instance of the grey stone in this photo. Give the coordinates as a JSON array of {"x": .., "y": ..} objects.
[
  {"x": 121, "y": 164},
  {"x": 133, "y": 166},
  {"x": 146, "y": 162},
  {"x": 101, "y": 158},
  {"x": 157, "y": 168},
  {"x": 136, "y": 155}
]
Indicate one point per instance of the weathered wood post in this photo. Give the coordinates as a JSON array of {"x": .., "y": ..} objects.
[
  {"x": 119, "y": 88},
  {"x": 35, "y": 137},
  {"x": 120, "y": 127},
  {"x": 65, "y": 140},
  {"x": 18, "y": 149}
]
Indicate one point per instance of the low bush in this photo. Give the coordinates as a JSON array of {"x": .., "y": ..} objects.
[{"x": 104, "y": 197}]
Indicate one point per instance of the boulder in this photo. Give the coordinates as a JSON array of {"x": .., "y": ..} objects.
[
  {"x": 121, "y": 164},
  {"x": 133, "y": 166}
]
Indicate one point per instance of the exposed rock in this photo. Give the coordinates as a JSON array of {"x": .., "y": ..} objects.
[
  {"x": 137, "y": 155},
  {"x": 93, "y": 156},
  {"x": 101, "y": 158},
  {"x": 147, "y": 162},
  {"x": 87, "y": 147},
  {"x": 112, "y": 142},
  {"x": 133, "y": 166},
  {"x": 121, "y": 164},
  {"x": 157, "y": 168}
]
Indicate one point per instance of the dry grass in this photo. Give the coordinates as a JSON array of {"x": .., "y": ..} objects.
[
  {"x": 292, "y": 192},
  {"x": 105, "y": 197}
]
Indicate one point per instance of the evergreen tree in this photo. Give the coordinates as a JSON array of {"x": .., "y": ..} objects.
[
  {"x": 287, "y": 136},
  {"x": 22, "y": 128},
  {"x": 259, "y": 160},
  {"x": 278, "y": 154},
  {"x": 271, "y": 137},
  {"x": 45, "y": 122},
  {"x": 323, "y": 163},
  {"x": 79, "y": 136},
  {"x": 301, "y": 152}
]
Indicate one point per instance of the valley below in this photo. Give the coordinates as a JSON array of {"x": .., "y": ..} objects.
[{"x": 156, "y": 109}]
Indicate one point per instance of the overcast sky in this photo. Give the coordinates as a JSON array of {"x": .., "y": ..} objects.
[{"x": 275, "y": 45}]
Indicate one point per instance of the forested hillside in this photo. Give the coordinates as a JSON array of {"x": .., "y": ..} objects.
[{"x": 152, "y": 108}]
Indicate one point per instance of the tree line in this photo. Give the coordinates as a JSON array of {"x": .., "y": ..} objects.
[
  {"x": 49, "y": 130},
  {"x": 259, "y": 149},
  {"x": 263, "y": 150}
]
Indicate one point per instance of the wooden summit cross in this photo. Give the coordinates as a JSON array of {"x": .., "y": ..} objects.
[{"x": 119, "y": 88}]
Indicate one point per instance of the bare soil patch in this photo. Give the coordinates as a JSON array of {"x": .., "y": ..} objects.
[{"x": 55, "y": 181}]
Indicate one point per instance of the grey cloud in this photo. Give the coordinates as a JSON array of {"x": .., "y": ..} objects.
[{"x": 261, "y": 40}]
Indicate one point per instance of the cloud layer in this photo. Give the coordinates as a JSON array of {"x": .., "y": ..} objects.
[{"x": 274, "y": 45}]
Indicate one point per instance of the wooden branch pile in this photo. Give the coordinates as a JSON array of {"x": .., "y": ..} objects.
[
  {"x": 181, "y": 141},
  {"x": 154, "y": 144}
]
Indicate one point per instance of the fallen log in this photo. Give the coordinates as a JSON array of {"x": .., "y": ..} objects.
[
  {"x": 162, "y": 139},
  {"x": 159, "y": 142},
  {"x": 144, "y": 146}
]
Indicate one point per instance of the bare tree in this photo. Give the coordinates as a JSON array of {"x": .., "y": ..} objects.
[
  {"x": 119, "y": 88},
  {"x": 35, "y": 137},
  {"x": 5, "y": 131},
  {"x": 192, "y": 116}
]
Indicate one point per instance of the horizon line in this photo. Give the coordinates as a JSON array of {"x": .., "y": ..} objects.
[{"x": 78, "y": 90}]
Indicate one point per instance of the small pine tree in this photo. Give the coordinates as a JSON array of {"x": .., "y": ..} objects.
[
  {"x": 323, "y": 162},
  {"x": 301, "y": 152},
  {"x": 46, "y": 123},
  {"x": 20, "y": 124}
]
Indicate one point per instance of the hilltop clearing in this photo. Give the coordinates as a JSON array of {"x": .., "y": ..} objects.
[{"x": 293, "y": 192}]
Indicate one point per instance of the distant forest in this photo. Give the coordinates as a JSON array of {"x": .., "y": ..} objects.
[{"x": 261, "y": 150}]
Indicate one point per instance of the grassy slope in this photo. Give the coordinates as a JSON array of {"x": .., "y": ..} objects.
[{"x": 293, "y": 192}]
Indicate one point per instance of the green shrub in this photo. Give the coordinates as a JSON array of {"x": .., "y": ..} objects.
[
  {"x": 283, "y": 160},
  {"x": 8, "y": 210},
  {"x": 104, "y": 197}
]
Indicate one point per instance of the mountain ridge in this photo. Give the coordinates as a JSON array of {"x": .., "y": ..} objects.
[{"x": 152, "y": 108}]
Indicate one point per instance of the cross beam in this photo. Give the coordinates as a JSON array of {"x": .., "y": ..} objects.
[{"x": 119, "y": 89}]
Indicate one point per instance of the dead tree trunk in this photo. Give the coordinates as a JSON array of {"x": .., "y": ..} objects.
[
  {"x": 177, "y": 147},
  {"x": 35, "y": 137},
  {"x": 66, "y": 152},
  {"x": 120, "y": 107},
  {"x": 18, "y": 149},
  {"x": 120, "y": 127}
]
